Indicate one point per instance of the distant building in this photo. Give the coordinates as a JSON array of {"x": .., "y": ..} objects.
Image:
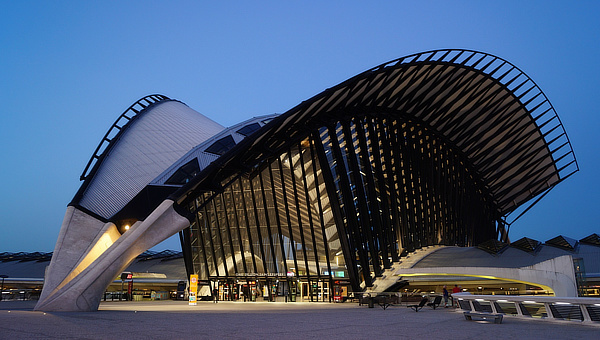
[
  {"x": 436, "y": 148},
  {"x": 158, "y": 272}
]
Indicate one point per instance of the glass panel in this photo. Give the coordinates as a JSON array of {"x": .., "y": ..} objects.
[
  {"x": 263, "y": 222},
  {"x": 295, "y": 219},
  {"x": 221, "y": 146},
  {"x": 252, "y": 227},
  {"x": 223, "y": 229},
  {"x": 249, "y": 129},
  {"x": 319, "y": 221},
  {"x": 185, "y": 173},
  {"x": 229, "y": 233},
  {"x": 305, "y": 211},
  {"x": 274, "y": 219},
  {"x": 215, "y": 240},
  {"x": 204, "y": 222},
  {"x": 198, "y": 258},
  {"x": 242, "y": 228}
]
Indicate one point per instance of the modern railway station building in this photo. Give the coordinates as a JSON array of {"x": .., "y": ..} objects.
[{"x": 439, "y": 148}]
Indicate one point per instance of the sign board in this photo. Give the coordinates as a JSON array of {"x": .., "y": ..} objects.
[{"x": 193, "y": 289}]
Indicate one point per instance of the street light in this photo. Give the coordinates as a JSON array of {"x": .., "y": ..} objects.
[{"x": 2, "y": 289}]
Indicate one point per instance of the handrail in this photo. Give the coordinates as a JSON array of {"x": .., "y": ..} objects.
[{"x": 583, "y": 309}]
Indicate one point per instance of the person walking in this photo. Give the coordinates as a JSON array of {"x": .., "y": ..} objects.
[
  {"x": 454, "y": 291},
  {"x": 446, "y": 295}
]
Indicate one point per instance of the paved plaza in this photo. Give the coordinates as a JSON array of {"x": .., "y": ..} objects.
[{"x": 263, "y": 320}]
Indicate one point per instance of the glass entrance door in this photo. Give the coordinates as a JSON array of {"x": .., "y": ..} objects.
[{"x": 292, "y": 290}]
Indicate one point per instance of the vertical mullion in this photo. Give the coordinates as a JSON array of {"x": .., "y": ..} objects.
[
  {"x": 387, "y": 226},
  {"x": 364, "y": 220},
  {"x": 201, "y": 237},
  {"x": 343, "y": 235},
  {"x": 319, "y": 204},
  {"x": 446, "y": 199},
  {"x": 402, "y": 183},
  {"x": 241, "y": 183},
  {"x": 372, "y": 194},
  {"x": 186, "y": 249},
  {"x": 454, "y": 196},
  {"x": 309, "y": 210},
  {"x": 277, "y": 219},
  {"x": 297, "y": 203},
  {"x": 347, "y": 197},
  {"x": 239, "y": 232},
  {"x": 266, "y": 209},
  {"x": 257, "y": 221},
  {"x": 415, "y": 154},
  {"x": 399, "y": 228},
  {"x": 228, "y": 226},
  {"x": 408, "y": 176},
  {"x": 210, "y": 239},
  {"x": 287, "y": 214},
  {"x": 220, "y": 239}
]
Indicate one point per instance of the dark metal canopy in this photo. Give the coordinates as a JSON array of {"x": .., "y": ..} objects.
[{"x": 483, "y": 106}]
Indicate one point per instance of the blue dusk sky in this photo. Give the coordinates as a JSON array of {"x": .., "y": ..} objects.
[{"x": 68, "y": 69}]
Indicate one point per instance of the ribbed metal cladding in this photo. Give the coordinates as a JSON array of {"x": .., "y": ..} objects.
[
  {"x": 483, "y": 105},
  {"x": 157, "y": 138}
]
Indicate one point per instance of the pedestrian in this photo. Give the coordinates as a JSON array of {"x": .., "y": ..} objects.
[
  {"x": 216, "y": 295},
  {"x": 445, "y": 297},
  {"x": 454, "y": 291}
]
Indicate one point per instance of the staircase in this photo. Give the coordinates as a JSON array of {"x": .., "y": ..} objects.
[{"x": 389, "y": 281}]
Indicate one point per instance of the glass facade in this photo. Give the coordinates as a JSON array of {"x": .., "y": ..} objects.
[{"x": 388, "y": 187}]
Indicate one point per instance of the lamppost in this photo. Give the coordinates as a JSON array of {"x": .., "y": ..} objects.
[{"x": 2, "y": 289}]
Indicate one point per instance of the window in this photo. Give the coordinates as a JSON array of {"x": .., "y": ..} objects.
[
  {"x": 249, "y": 129},
  {"x": 185, "y": 173},
  {"x": 221, "y": 146}
]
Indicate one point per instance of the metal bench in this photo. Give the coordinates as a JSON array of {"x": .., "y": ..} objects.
[
  {"x": 484, "y": 316},
  {"x": 420, "y": 305}
]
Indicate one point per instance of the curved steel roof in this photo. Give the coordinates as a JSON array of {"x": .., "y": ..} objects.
[
  {"x": 482, "y": 105},
  {"x": 149, "y": 142}
]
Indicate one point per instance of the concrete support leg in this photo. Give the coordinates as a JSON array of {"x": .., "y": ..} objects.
[{"x": 81, "y": 288}]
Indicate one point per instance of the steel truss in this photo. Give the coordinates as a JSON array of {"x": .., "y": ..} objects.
[{"x": 434, "y": 148}]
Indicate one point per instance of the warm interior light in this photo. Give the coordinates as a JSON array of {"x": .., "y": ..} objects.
[{"x": 127, "y": 227}]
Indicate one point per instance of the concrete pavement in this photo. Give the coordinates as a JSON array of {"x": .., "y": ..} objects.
[{"x": 263, "y": 320}]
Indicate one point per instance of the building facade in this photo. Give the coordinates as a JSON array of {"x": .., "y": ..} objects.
[{"x": 436, "y": 148}]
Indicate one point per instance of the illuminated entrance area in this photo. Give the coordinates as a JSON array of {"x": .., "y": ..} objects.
[
  {"x": 274, "y": 290},
  {"x": 270, "y": 236}
]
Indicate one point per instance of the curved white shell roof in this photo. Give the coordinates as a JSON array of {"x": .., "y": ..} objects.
[{"x": 154, "y": 141}]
